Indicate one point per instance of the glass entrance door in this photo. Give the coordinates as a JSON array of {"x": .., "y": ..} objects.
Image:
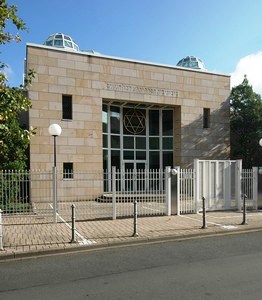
[{"x": 134, "y": 176}]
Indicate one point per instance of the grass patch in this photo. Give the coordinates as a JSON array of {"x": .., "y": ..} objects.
[{"x": 16, "y": 207}]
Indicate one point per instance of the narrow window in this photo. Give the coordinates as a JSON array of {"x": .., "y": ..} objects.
[
  {"x": 67, "y": 107},
  {"x": 68, "y": 172},
  {"x": 206, "y": 118}
]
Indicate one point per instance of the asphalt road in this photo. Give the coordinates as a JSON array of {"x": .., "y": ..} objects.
[{"x": 228, "y": 267}]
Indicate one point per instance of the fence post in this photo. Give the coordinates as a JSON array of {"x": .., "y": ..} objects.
[
  {"x": 54, "y": 195},
  {"x": 238, "y": 183},
  {"x": 114, "y": 192},
  {"x": 135, "y": 234},
  {"x": 73, "y": 224},
  {"x": 178, "y": 190},
  {"x": 168, "y": 190},
  {"x": 1, "y": 231},
  {"x": 196, "y": 183},
  {"x": 255, "y": 186}
]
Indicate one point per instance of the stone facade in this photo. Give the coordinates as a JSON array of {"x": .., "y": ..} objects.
[{"x": 90, "y": 78}]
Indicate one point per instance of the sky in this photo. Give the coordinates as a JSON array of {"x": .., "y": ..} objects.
[{"x": 225, "y": 34}]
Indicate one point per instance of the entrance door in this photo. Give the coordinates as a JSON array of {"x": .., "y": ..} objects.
[{"x": 134, "y": 176}]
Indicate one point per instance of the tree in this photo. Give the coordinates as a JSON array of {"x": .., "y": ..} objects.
[
  {"x": 246, "y": 124},
  {"x": 14, "y": 139},
  {"x": 9, "y": 13}
]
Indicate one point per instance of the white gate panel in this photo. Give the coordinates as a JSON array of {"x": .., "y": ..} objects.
[{"x": 218, "y": 182}]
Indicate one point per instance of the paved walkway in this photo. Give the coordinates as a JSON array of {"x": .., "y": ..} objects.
[{"x": 40, "y": 236}]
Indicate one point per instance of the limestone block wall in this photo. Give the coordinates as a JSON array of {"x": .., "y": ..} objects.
[{"x": 90, "y": 79}]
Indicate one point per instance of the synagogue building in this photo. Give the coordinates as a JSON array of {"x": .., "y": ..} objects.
[{"x": 123, "y": 112}]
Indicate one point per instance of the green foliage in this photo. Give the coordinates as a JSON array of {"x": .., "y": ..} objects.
[
  {"x": 16, "y": 207},
  {"x": 246, "y": 125},
  {"x": 8, "y": 14},
  {"x": 14, "y": 140},
  {"x": 14, "y": 191}
]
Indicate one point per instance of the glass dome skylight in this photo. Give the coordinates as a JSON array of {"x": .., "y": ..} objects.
[
  {"x": 60, "y": 40},
  {"x": 191, "y": 62}
]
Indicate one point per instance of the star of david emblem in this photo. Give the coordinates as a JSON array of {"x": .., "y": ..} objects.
[{"x": 134, "y": 121}]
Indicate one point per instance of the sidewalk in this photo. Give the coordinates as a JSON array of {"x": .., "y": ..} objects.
[{"x": 45, "y": 237}]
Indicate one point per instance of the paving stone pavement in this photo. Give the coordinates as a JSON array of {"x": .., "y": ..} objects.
[{"x": 38, "y": 236}]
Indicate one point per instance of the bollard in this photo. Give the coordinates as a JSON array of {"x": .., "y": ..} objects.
[
  {"x": 204, "y": 213},
  {"x": 1, "y": 232},
  {"x": 73, "y": 224},
  {"x": 135, "y": 234},
  {"x": 244, "y": 222}
]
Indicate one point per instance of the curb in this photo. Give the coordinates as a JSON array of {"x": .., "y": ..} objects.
[{"x": 119, "y": 244}]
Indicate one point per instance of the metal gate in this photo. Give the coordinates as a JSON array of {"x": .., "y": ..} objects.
[{"x": 219, "y": 182}]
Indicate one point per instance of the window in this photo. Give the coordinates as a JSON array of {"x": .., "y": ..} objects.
[
  {"x": 153, "y": 122},
  {"x": 167, "y": 122},
  {"x": 206, "y": 118},
  {"x": 154, "y": 160},
  {"x": 128, "y": 154},
  {"x": 140, "y": 142},
  {"x": 58, "y": 42},
  {"x": 115, "y": 141},
  {"x": 68, "y": 172},
  {"x": 68, "y": 44},
  {"x": 134, "y": 134},
  {"x": 115, "y": 159},
  {"x": 115, "y": 119},
  {"x": 167, "y": 159},
  {"x": 167, "y": 143},
  {"x": 67, "y": 113},
  {"x": 105, "y": 118},
  {"x": 128, "y": 142},
  {"x": 153, "y": 143}
]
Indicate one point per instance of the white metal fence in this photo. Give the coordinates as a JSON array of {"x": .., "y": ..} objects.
[
  {"x": 96, "y": 194},
  {"x": 1, "y": 231},
  {"x": 249, "y": 186},
  {"x": 20, "y": 189},
  {"x": 111, "y": 194},
  {"x": 215, "y": 188},
  {"x": 186, "y": 181},
  {"x": 99, "y": 195},
  {"x": 147, "y": 187}
]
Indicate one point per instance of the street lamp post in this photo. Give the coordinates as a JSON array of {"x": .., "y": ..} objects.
[{"x": 54, "y": 130}]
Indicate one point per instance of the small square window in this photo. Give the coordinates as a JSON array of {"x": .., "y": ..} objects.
[
  {"x": 128, "y": 142},
  {"x": 115, "y": 141},
  {"x": 153, "y": 143},
  {"x": 167, "y": 143},
  {"x": 140, "y": 142},
  {"x": 68, "y": 171},
  {"x": 67, "y": 113},
  {"x": 128, "y": 154},
  {"x": 206, "y": 118}
]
